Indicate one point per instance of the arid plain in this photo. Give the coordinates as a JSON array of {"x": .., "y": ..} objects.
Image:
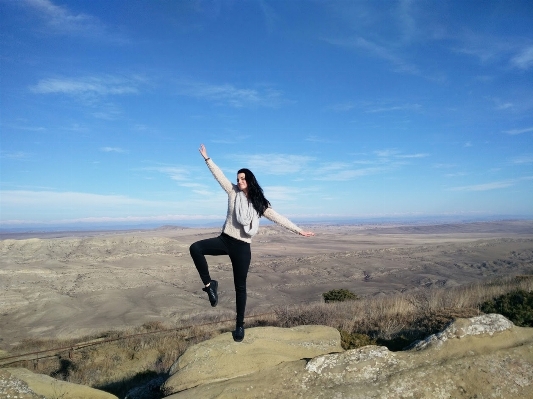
[{"x": 73, "y": 284}]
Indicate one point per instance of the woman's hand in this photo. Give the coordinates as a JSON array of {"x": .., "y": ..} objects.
[
  {"x": 203, "y": 151},
  {"x": 307, "y": 233}
]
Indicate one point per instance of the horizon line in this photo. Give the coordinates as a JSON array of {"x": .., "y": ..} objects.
[{"x": 216, "y": 222}]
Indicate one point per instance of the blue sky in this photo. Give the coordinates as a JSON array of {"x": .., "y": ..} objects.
[{"x": 343, "y": 109}]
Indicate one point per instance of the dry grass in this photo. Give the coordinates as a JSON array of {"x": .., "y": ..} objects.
[
  {"x": 138, "y": 356},
  {"x": 122, "y": 359},
  {"x": 404, "y": 317}
]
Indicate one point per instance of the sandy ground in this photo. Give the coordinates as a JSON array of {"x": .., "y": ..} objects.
[{"x": 72, "y": 284}]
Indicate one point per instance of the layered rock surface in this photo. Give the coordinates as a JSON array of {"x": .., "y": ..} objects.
[
  {"x": 263, "y": 348},
  {"x": 485, "y": 356},
  {"x": 23, "y": 384}
]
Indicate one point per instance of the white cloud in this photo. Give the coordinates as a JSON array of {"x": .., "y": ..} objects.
[
  {"x": 194, "y": 185},
  {"x": 129, "y": 219},
  {"x": 45, "y": 198},
  {"x": 341, "y": 171},
  {"x": 107, "y": 112},
  {"x": 396, "y": 154},
  {"x": 485, "y": 186},
  {"x": 419, "y": 155},
  {"x": 275, "y": 164},
  {"x": 523, "y": 60},
  {"x": 271, "y": 18},
  {"x": 18, "y": 155},
  {"x": 377, "y": 50},
  {"x": 504, "y": 106},
  {"x": 115, "y": 220},
  {"x": 95, "y": 85},
  {"x": 92, "y": 91},
  {"x": 514, "y": 132},
  {"x": 374, "y": 107},
  {"x": 227, "y": 94},
  {"x": 491, "y": 49},
  {"x": 383, "y": 161},
  {"x": 342, "y": 107},
  {"x": 402, "y": 107},
  {"x": 280, "y": 193},
  {"x": 496, "y": 185},
  {"x": 203, "y": 193},
  {"x": 386, "y": 153},
  {"x": 524, "y": 159},
  {"x": 350, "y": 174},
  {"x": 452, "y": 175},
  {"x": 444, "y": 165},
  {"x": 200, "y": 189},
  {"x": 174, "y": 172},
  {"x": 60, "y": 20},
  {"x": 333, "y": 167},
  {"x": 26, "y": 128},
  {"x": 52, "y": 207},
  {"x": 113, "y": 149},
  {"x": 484, "y": 47},
  {"x": 317, "y": 139}
]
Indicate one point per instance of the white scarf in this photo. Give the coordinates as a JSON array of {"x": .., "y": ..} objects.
[{"x": 246, "y": 214}]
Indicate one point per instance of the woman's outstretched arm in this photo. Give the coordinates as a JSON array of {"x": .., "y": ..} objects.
[
  {"x": 307, "y": 233},
  {"x": 216, "y": 171},
  {"x": 275, "y": 217}
]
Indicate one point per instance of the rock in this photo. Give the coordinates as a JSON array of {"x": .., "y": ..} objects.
[
  {"x": 484, "y": 324},
  {"x": 23, "y": 384},
  {"x": 481, "y": 357},
  {"x": 150, "y": 389},
  {"x": 221, "y": 358}
]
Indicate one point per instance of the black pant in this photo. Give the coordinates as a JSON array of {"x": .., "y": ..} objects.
[{"x": 240, "y": 255}]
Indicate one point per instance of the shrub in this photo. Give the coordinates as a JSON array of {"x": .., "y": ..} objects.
[
  {"x": 301, "y": 315},
  {"x": 517, "y": 306},
  {"x": 355, "y": 340},
  {"x": 339, "y": 295}
]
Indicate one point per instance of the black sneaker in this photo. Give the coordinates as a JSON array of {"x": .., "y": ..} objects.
[
  {"x": 238, "y": 334},
  {"x": 212, "y": 292}
]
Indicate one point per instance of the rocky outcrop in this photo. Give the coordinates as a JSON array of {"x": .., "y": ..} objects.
[
  {"x": 23, "y": 384},
  {"x": 481, "y": 357},
  {"x": 484, "y": 324},
  {"x": 221, "y": 358}
]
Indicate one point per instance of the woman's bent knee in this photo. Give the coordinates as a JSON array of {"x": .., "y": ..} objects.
[{"x": 194, "y": 248}]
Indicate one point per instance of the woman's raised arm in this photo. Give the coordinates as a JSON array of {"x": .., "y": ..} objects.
[
  {"x": 203, "y": 151},
  {"x": 216, "y": 171}
]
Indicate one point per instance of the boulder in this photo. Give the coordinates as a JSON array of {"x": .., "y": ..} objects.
[
  {"x": 480, "y": 357},
  {"x": 263, "y": 348},
  {"x": 484, "y": 324},
  {"x": 23, "y": 384}
]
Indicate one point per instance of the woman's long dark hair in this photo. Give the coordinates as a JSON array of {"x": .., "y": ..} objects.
[{"x": 255, "y": 192}]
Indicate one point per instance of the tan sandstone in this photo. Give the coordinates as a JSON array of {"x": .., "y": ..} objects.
[
  {"x": 263, "y": 348},
  {"x": 22, "y": 383},
  {"x": 472, "y": 358}
]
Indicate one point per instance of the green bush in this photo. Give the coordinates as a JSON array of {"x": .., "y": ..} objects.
[
  {"x": 355, "y": 340},
  {"x": 517, "y": 306},
  {"x": 339, "y": 295}
]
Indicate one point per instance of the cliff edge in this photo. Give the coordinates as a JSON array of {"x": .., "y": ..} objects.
[{"x": 485, "y": 356}]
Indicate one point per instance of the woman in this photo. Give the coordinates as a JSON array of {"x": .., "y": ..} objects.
[{"x": 246, "y": 204}]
